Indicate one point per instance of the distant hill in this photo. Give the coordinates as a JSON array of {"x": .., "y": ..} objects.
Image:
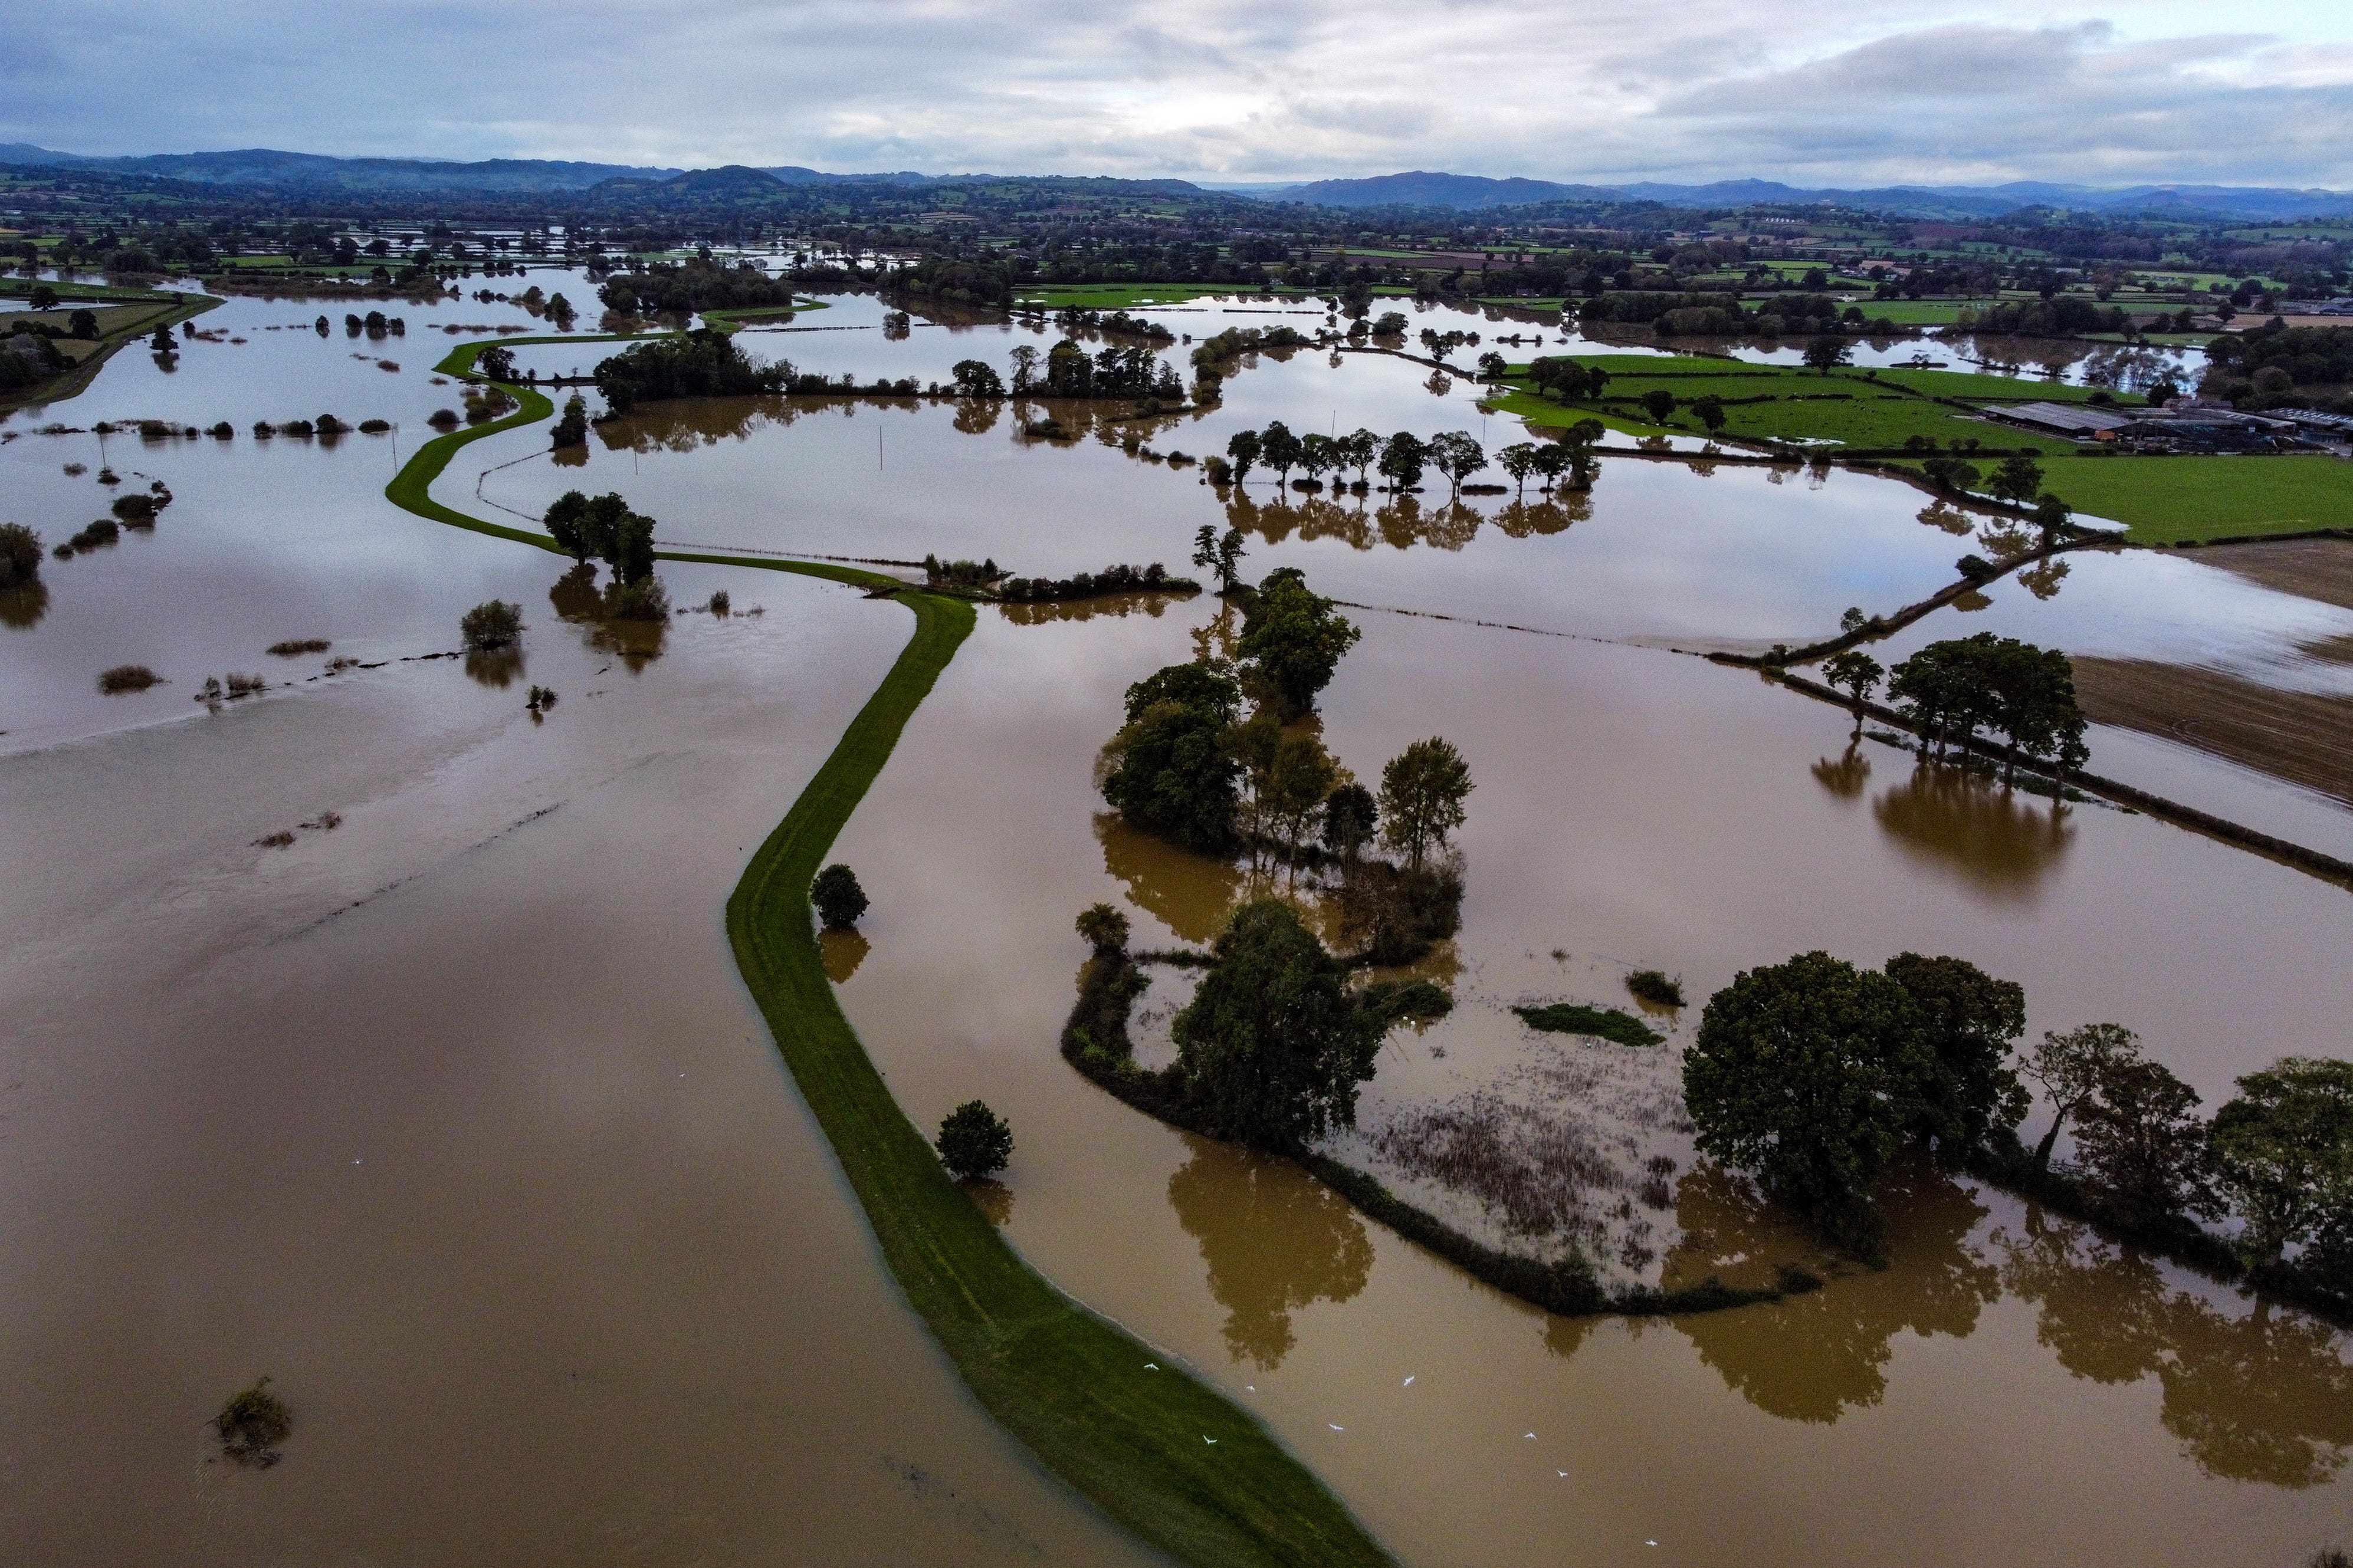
[
  {"x": 1475, "y": 192},
  {"x": 316, "y": 174}
]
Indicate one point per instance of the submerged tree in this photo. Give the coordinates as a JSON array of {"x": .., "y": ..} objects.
[
  {"x": 1292, "y": 641},
  {"x": 1274, "y": 1043},
  {"x": 1167, "y": 770},
  {"x": 973, "y": 1141},
  {"x": 837, "y": 898},
  {"x": 2070, "y": 1066},
  {"x": 2282, "y": 1152},
  {"x": 1423, "y": 789},
  {"x": 1972, "y": 1019}
]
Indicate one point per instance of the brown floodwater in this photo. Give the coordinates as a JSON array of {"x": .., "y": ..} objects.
[
  {"x": 454, "y": 1118},
  {"x": 2010, "y": 1389},
  {"x": 570, "y": 1304}
]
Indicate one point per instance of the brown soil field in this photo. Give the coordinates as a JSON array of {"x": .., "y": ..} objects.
[
  {"x": 2316, "y": 568},
  {"x": 2301, "y": 737}
]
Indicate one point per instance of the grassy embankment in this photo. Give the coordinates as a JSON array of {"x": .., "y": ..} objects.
[{"x": 1157, "y": 1451}]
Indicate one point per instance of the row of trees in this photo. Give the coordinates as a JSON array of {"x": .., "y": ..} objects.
[
  {"x": 1401, "y": 459},
  {"x": 699, "y": 363},
  {"x": 1950, "y": 690},
  {"x": 606, "y": 529},
  {"x": 1813, "y": 1074}
]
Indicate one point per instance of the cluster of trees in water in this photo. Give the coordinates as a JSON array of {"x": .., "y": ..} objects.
[
  {"x": 703, "y": 362},
  {"x": 1950, "y": 690},
  {"x": 1813, "y": 1074},
  {"x": 697, "y": 283},
  {"x": 603, "y": 528},
  {"x": 1067, "y": 370},
  {"x": 1401, "y": 459},
  {"x": 1215, "y": 357},
  {"x": 1699, "y": 315}
]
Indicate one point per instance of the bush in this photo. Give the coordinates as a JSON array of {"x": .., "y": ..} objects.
[
  {"x": 1653, "y": 987},
  {"x": 127, "y": 678},
  {"x": 1576, "y": 1018},
  {"x": 973, "y": 1141},
  {"x": 1102, "y": 928},
  {"x": 1419, "y": 999},
  {"x": 440, "y": 419},
  {"x": 294, "y": 647},
  {"x": 493, "y": 624},
  {"x": 252, "y": 1422},
  {"x": 20, "y": 554},
  {"x": 839, "y": 900},
  {"x": 136, "y": 510},
  {"x": 720, "y": 602}
]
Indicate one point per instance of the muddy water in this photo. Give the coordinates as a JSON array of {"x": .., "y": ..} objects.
[
  {"x": 609, "y": 1239},
  {"x": 451, "y": 1114},
  {"x": 1634, "y": 808}
]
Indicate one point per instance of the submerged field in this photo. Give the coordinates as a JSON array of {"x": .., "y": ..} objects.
[{"x": 579, "y": 1135}]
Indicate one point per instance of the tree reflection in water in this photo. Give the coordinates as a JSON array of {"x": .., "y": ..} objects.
[
  {"x": 1847, "y": 776},
  {"x": 1812, "y": 1357},
  {"x": 1401, "y": 524},
  {"x": 497, "y": 667},
  {"x": 1996, "y": 841},
  {"x": 2266, "y": 1396},
  {"x": 22, "y": 607},
  {"x": 1274, "y": 1239},
  {"x": 1192, "y": 895},
  {"x": 841, "y": 952},
  {"x": 577, "y": 601}
]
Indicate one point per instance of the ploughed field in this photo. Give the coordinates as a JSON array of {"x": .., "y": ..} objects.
[{"x": 457, "y": 1106}]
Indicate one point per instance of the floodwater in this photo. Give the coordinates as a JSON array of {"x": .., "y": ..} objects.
[{"x": 395, "y": 1113}]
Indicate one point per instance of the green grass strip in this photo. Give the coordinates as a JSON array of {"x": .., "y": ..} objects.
[{"x": 1153, "y": 1447}]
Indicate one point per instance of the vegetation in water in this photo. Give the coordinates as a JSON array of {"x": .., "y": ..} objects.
[
  {"x": 1656, "y": 987},
  {"x": 1578, "y": 1018},
  {"x": 490, "y": 624},
  {"x": 973, "y": 1141},
  {"x": 127, "y": 678},
  {"x": 251, "y": 1424},
  {"x": 837, "y": 896},
  {"x": 295, "y": 647},
  {"x": 20, "y": 555}
]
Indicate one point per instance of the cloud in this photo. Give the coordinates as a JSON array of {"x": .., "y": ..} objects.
[{"x": 1838, "y": 93}]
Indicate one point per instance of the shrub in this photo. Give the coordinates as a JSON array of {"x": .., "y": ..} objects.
[
  {"x": 263, "y": 429},
  {"x": 643, "y": 600},
  {"x": 295, "y": 647},
  {"x": 20, "y": 554},
  {"x": 973, "y": 1141},
  {"x": 93, "y": 536},
  {"x": 136, "y": 510},
  {"x": 252, "y": 1422},
  {"x": 223, "y": 431},
  {"x": 328, "y": 425},
  {"x": 375, "y": 426},
  {"x": 493, "y": 624},
  {"x": 1654, "y": 986},
  {"x": 720, "y": 602},
  {"x": 1102, "y": 928},
  {"x": 839, "y": 900},
  {"x": 1576, "y": 1018},
  {"x": 540, "y": 700},
  {"x": 440, "y": 419},
  {"x": 1394, "y": 999},
  {"x": 127, "y": 678}
]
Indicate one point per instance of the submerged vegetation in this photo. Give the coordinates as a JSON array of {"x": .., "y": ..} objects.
[
  {"x": 252, "y": 1422},
  {"x": 1578, "y": 1018},
  {"x": 494, "y": 623},
  {"x": 127, "y": 678}
]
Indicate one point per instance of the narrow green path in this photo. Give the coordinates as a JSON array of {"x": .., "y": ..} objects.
[{"x": 1155, "y": 1449}]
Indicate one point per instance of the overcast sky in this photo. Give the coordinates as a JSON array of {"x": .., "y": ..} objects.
[{"x": 1831, "y": 91}]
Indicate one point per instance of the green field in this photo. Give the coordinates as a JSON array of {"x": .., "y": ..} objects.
[
  {"x": 1124, "y": 296},
  {"x": 1157, "y": 1449},
  {"x": 2168, "y": 498}
]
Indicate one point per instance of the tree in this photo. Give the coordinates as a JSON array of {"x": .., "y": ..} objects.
[
  {"x": 1972, "y": 1020},
  {"x": 2070, "y": 1066},
  {"x": 20, "y": 555},
  {"x": 1401, "y": 461},
  {"x": 2018, "y": 480},
  {"x": 1457, "y": 455},
  {"x": 1166, "y": 771},
  {"x": 1359, "y": 450},
  {"x": 974, "y": 378},
  {"x": 1423, "y": 789},
  {"x": 1279, "y": 450},
  {"x": 1491, "y": 367},
  {"x": 1292, "y": 640},
  {"x": 163, "y": 343},
  {"x": 82, "y": 324},
  {"x": 1519, "y": 460},
  {"x": 1102, "y": 928},
  {"x": 494, "y": 363},
  {"x": 1025, "y": 358},
  {"x": 1274, "y": 1043},
  {"x": 837, "y": 898},
  {"x": 1242, "y": 449},
  {"x": 1709, "y": 410},
  {"x": 633, "y": 548},
  {"x": 1808, "y": 1075},
  {"x": 42, "y": 297},
  {"x": 1318, "y": 454},
  {"x": 493, "y": 624},
  {"x": 1857, "y": 674},
  {"x": 572, "y": 429},
  {"x": 973, "y": 1141},
  {"x": 1350, "y": 815},
  {"x": 1658, "y": 402},
  {"x": 564, "y": 518},
  {"x": 2141, "y": 1141},
  {"x": 1300, "y": 780},
  {"x": 2051, "y": 516},
  {"x": 1827, "y": 352},
  {"x": 2283, "y": 1154}
]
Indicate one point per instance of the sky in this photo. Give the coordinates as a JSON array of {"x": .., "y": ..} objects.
[{"x": 1832, "y": 93}]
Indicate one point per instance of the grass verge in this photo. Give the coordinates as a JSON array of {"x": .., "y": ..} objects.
[{"x": 1162, "y": 1453}]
